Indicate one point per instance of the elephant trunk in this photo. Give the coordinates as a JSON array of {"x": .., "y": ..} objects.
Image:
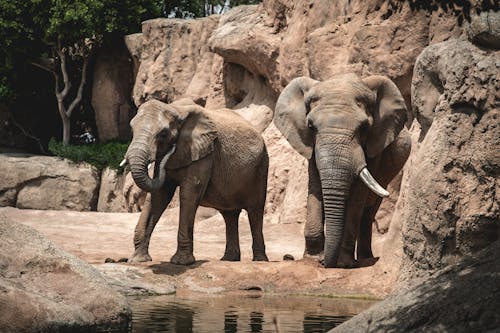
[
  {"x": 139, "y": 156},
  {"x": 336, "y": 170}
]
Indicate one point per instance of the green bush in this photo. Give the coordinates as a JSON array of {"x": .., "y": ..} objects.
[{"x": 100, "y": 155}]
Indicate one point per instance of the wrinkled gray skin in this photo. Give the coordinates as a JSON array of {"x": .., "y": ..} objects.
[
  {"x": 342, "y": 126},
  {"x": 219, "y": 161}
]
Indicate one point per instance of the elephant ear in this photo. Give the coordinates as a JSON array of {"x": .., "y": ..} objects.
[
  {"x": 196, "y": 135},
  {"x": 389, "y": 114},
  {"x": 290, "y": 115}
]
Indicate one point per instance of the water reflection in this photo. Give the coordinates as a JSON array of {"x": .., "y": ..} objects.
[{"x": 232, "y": 314}]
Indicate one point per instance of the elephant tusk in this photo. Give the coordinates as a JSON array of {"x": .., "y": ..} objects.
[
  {"x": 372, "y": 184},
  {"x": 123, "y": 162},
  {"x": 167, "y": 156}
]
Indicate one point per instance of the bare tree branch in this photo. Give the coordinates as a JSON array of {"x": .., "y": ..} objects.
[
  {"x": 79, "y": 94},
  {"x": 64, "y": 71},
  {"x": 46, "y": 67}
]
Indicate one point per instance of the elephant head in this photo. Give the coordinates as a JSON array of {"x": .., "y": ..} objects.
[
  {"x": 175, "y": 134},
  {"x": 340, "y": 123}
]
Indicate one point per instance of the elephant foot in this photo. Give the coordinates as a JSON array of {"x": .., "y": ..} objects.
[
  {"x": 182, "y": 258},
  {"x": 231, "y": 256},
  {"x": 366, "y": 262},
  {"x": 314, "y": 257},
  {"x": 314, "y": 247},
  {"x": 260, "y": 257},
  {"x": 346, "y": 261},
  {"x": 364, "y": 254},
  {"x": 140, "y": 257}
]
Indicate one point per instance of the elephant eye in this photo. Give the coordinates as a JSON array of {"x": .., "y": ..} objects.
[
  {"x": 310, "y": 124},
  {"x": 163, "y": 134}
]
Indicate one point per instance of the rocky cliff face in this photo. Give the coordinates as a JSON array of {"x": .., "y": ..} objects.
[
  {"x": 452, "y": 200},
  {"x": 244, "y": 58},
  {"x": 443, "y": 58}
]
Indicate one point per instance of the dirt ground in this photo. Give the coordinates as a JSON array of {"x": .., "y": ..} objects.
[{"x": 94, "y": 236}]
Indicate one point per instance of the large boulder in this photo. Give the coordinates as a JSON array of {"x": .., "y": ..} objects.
[
  {"x": 451, "y": 200},
  {"x": 43, "y": 182},
  {"x": 459, "y": 298},
  {"x": 111, "y": 198},
  {"x": 43, "y": 288}
]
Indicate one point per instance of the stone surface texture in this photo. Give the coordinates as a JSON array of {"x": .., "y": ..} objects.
[
  {"x": 43, "y": 182},
  {"x": 170, "y": 53},
  {"x": 452, "y": 205},
  {"x": 483, "y": 28},
  {"x": 111, "y": 198},
  {"x": 111, "y": 88},
  {"x": 446, "y": 302},
  {"x": 43, "y": 288}
]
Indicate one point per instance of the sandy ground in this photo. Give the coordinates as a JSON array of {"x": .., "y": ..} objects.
[{"x": 94, "y": 236}]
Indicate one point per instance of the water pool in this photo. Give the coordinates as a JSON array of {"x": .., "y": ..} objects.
[{"x": 241, "y": 313}]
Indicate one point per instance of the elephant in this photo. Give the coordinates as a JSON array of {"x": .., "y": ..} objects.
[
  {"x": 216, "y": 158},
  {"x": 344, "y": 126}
]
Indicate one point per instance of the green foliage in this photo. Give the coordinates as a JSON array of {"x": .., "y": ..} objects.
[
  {"x": 30, "y": 30},
  {"x": 100, "y": 155}
]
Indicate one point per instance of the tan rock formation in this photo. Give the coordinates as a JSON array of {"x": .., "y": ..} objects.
[
  {"x": 170, "y": 54},
  {"x": 43, "y": 182},
  {"x": 452, "y": 205},
  {"x": 111, "y": 198},
  {"x": 484, "y": 28},
  {"x": 44, "y": 288},
  {"x": 254, "y": 51}
]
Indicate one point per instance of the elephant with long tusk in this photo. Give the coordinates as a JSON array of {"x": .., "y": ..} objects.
[
  {"x": 216, "y": 158},
  {"x": 352, "y": 132}
]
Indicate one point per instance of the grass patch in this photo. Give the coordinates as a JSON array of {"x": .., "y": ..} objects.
[{"x": 100, "y": 155}]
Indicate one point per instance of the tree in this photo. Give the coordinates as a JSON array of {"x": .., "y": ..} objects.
[{"x": 60, "y": 37}]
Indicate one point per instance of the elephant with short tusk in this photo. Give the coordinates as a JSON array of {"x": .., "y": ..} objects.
[
  {"x": 216, "y": 158},
  {"x": 352, "y": 132}
]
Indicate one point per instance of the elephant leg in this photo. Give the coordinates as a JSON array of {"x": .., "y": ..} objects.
[
  {"x": 154, "y": 206},
  {"x": 232, "y": 252},
  {"x": 256, "y": 218},
  {"x": 388, "y": 165},
  {"x": 354, "y": 213},
  {"x": 192, "y": 190},
  {"x": 364, "y": 248},
  {"x": 313, "y": 230}
]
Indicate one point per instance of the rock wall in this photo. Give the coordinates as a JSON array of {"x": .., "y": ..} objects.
[
  {"x": 43, "y": 182},
  {"x": 243, "y": 59},
  {"x": 452, "y": 198},
  {"x": 172, "y": 51},
  {"x": 113, "y": 80}
]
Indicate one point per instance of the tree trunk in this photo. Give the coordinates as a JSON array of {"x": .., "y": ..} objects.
[{"x": 66, "y": 129}]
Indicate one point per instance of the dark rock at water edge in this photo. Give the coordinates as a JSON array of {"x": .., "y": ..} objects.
[{"x": 459, "y": 298}]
